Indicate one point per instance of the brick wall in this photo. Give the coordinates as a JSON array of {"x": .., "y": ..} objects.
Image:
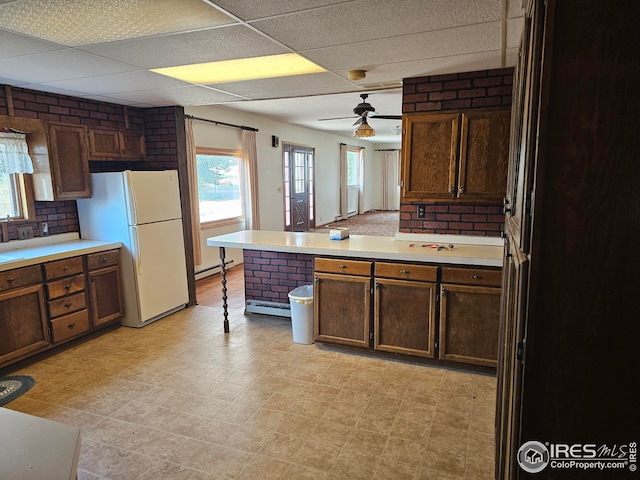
[
  {"x": 160, "y": 139},
  {"x": 270, "y": 276},
  {"x": 456, "y": 91}
]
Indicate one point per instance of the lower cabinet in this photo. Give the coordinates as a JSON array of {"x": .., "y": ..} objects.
[
  {"x": 405, "y": 309},
  {"x": 23, "y": 316},
  {"x": 104, "y": 287},
  {"x": 453, "y": 317},
  {"x": 342, "y": 301},
  {"x": 470, "y": 315},
  {"x": 49, "y": 304}
]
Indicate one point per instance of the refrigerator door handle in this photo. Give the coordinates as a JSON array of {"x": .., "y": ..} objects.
[
  {"x": 137, "y": 253},
  {"x": 133, "y": 207}
]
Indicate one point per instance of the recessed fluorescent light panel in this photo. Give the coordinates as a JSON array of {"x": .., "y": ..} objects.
[{"x": 241, "y": 69}]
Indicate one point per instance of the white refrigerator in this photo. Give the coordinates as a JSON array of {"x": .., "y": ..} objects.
[{"x": 142, "y": 210}]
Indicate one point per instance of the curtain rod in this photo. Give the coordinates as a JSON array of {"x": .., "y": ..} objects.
[
  {"x": 242, "y": 127},
  {"x": 388, "y": 150},
  {"x": 352, "y": 146}
]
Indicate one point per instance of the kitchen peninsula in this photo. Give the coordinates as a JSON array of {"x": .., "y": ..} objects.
[{"x": 400, "y": 295}]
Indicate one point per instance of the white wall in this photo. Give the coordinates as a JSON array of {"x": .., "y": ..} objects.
[{"x": 271, "y": 196}]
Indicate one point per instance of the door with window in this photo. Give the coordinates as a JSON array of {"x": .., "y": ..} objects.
[{"x": 298, "y": 182}]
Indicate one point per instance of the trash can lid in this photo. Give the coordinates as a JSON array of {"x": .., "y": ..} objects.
[{"x": 303, "y": 293}]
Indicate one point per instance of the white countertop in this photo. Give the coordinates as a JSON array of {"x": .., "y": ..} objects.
[
  {"x": 364, "y": 246},
  {"x": 22, "y": 253}
]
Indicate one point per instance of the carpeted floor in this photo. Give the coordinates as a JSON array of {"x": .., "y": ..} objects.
[{"x": 375, "y": 222}]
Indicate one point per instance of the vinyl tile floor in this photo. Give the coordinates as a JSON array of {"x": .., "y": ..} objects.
[{"x": 179, "y": 399}]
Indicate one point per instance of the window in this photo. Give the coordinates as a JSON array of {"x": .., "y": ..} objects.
[
  {"x": 220, "y": 191},
  {"x": 353, "y": 167},
  {"x": 9, "y": 196}
]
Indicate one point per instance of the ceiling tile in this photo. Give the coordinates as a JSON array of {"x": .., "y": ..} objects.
[
  {"x": 45, "y": 67},
  {"x": 84, "y": 22},
  {"x": 370, "y": 19},
  {"x": 15, "y": 45},
  {"x": 209, "y": 45},
  {"x": 368, "y": 54},
  {"x": 267, "y": 8},
  {"x": 118, "y": 82},
  {"x": 191, "y": 95}
]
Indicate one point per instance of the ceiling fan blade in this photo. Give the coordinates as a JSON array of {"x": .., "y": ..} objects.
[
  {"x": 336, "y": 118},
  {"x": 386, "y": 117},
  {"x": 357, "y": 122}
]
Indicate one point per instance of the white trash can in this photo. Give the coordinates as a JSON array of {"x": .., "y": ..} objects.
[{"x": 301, "y": 300}]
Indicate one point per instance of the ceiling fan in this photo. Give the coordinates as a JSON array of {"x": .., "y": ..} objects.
[{"x": 362, "y": 111}]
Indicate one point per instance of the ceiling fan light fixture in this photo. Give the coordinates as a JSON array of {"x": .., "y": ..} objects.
[
  {"x": 364, "y": 130},
  {"x": 357, "y": 74}
]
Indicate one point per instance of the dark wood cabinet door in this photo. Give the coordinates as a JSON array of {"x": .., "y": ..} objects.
[
  {"x": 132, "y": 144},
  {"x": 23, "y": 323},
  {"x": 106, "y": 301},
  {"x": 342, "y": 309},
  {"x": 104, "y": 144},
  {"x": 469, "y": 318},
  {"x": 70, "y": 161},
  {"x": 484, "y": 155},
  {"x": 429, "y": 156},
  {"x": 405, "y": 317}
]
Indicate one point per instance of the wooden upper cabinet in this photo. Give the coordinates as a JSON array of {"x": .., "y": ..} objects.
[
  {"x": 111, "y": 144},
  {"x": 456, "y": 156},
  {"x": 429, "y": 150},
  {"x": 64, "y": 174}
]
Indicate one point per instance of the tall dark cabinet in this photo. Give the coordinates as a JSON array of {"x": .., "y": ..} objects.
[{"x": 570, "y": 332}]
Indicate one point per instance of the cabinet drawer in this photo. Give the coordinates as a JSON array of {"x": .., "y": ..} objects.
[
  {"x": 103, "y": 259},
  {"x": 406, "y": 271},
  {"x": 347, "y": 267},
  {"x": 63, "y": 268},
  {"x": 472, "y": 276},
  {"x": 20, "y": 277},
  {"x": 70, "y": 325},
  {"x": 65, "y": 305},
  {"x": 65, "y": 286}
]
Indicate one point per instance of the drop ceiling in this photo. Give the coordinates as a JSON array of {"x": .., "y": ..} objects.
[{"x": 104, "y": 50}]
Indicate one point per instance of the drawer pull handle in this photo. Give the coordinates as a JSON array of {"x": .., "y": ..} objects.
[
  {"x": 342, "y": 266},
  {"x": 68, "y": 304},
  {"x": 65, "y": 268},
  {"x": 404, "y": 272},
  {"x": 67, "y": 286},
  {"x": 11, "y": 280},
  {"x": 475, "y": 277},
  {"x": 103, "y": 259},
  {"x": 71, "y": 326}
]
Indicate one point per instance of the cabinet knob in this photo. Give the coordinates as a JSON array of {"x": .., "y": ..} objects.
[
  {"x": 71, "y": 326},
  {"x": 103, "y": 259},
  {"x": 11, "y": 280},
  {"x": 444, "y": 292},
  {"x": 475, "y": 277},
  {"x": 67, "y": 286},
  {"x": 452, "y": 190},
  {"x": 342, "y": 266},
  {"x": 461, "y": 191},
  {"x": 404, "y": 272},
  {"x": 68, "y": 304}
]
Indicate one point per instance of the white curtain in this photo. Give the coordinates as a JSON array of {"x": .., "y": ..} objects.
[
  {"x": 390, "y": 180},
  {"x": 192, "y": 172},
  {"x": 344, "y": 183},
  {"x": 250, "y": 174},
  {"x": 361, "y": 181},
  {"x": 14, "y": 153}
]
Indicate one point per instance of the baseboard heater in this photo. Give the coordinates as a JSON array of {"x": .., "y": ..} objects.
[{"x": 268, "y": 308}]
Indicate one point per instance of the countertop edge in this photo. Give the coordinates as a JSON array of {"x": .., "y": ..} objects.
[
  {"x": 382, "y": 255},
  {"x": 56, "y": 251}
]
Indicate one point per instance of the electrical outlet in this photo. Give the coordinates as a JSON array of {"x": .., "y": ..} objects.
[
  {"x": 420, "y": 211},
  {"x": 25, "y": 232}
]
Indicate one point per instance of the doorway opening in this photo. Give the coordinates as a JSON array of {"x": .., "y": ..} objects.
[{"x": 299, "y": 187}]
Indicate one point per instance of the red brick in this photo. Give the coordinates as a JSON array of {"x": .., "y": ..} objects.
[
  {"x": 486, "y": 102},
  {"x": 428, "y": 106},
  {"x": 448, "y": 95},
  {"x": 487, "y": 82},
  {"x": 455, "y": 104},
  {"x": 474, "y": 218},
  {"x": 430, "y": 87},
  {"x": 458, "y": 84},
  {"x": 472, "y": 93}
]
